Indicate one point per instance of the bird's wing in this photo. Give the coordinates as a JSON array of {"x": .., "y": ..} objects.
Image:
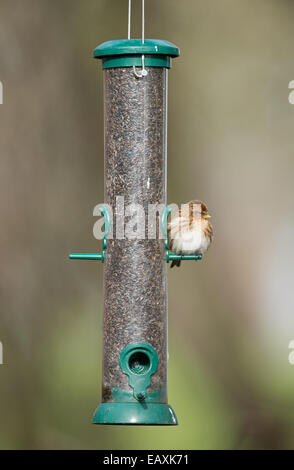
[
  {"x": 209, "y": 232},
  {"x": 169, "y": 236}
]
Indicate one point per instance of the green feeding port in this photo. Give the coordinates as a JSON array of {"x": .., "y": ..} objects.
[{"x": 139, "y": 361}]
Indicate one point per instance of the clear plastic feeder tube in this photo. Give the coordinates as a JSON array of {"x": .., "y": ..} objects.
[{"x": 134, "y": 382}]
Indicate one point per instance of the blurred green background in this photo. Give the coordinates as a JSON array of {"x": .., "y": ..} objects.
[{"x": 230, "y": 144}]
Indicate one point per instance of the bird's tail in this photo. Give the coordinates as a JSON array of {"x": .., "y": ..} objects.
[{"x": 176, "y": 262}]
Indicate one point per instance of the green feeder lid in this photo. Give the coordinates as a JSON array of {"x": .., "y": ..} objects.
[{"x": 128, "y": 52}]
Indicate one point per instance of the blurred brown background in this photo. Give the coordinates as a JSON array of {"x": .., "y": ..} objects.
[{"x": 230, "y": 143}]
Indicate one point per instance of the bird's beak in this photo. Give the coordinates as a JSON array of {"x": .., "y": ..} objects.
[{"x": 207, "y": 216}]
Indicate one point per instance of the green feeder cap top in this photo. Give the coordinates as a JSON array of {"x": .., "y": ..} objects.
[{"x": 128, "y": 52}]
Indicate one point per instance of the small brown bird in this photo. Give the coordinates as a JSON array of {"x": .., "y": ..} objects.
[{"x": 190, "y": 232}]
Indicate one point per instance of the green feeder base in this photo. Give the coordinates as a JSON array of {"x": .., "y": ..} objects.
[{"x": 135, "y": 413}]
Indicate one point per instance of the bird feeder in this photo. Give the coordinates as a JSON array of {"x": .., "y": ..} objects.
[{"x": 134, "y": 382}]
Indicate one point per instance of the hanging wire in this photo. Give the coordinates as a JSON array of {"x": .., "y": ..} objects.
[
  {"x": 143, "y": 21},
  {"x": 129, "y": 19}
]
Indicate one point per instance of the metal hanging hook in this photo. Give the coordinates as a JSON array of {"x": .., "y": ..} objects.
[{"x": 143, "y": 72}]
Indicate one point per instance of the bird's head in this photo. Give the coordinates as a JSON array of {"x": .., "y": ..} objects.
[{"x": 199, "y": 208}]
